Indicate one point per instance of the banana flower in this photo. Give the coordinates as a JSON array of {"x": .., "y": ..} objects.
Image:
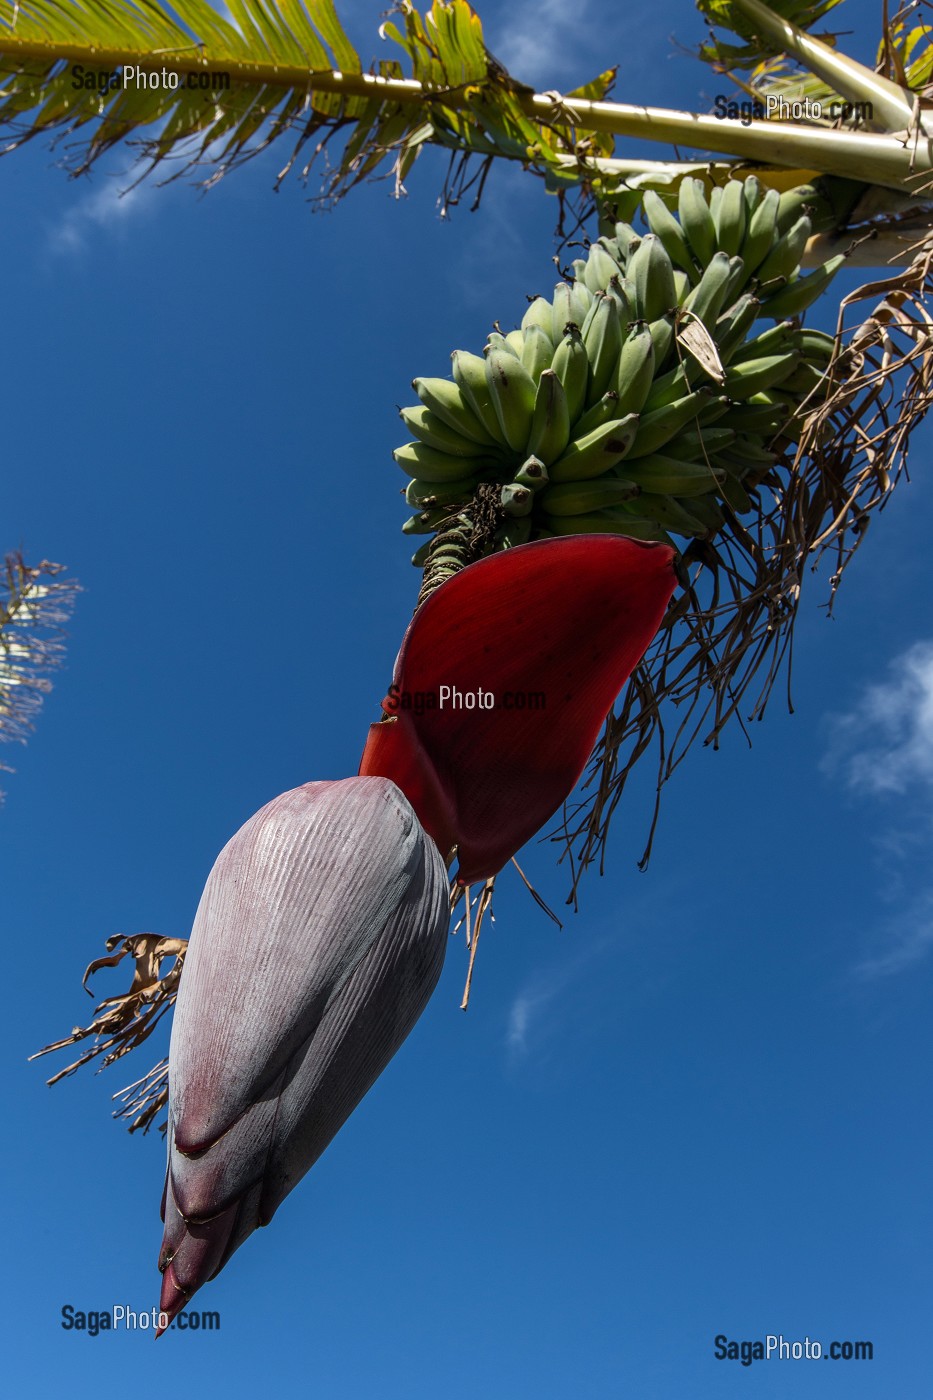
[
  {"x": 316, "y": 945},
  {"x": 502, "y": 684}
]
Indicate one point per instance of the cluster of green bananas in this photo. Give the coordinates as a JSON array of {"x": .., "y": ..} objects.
[{"x": 635, "y": 401}]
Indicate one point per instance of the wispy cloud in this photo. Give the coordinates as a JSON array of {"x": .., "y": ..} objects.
[
  {"x": 106, "y": 209},
  {"x": 534, "y": 1014},
  {"x": 909, "y": 938},
  {"x": 884, "y": 744},
  {"x": 541, "y": 41}
]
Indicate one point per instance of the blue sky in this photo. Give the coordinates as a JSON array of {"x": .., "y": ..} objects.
[{"x": 702, "y": 1107}]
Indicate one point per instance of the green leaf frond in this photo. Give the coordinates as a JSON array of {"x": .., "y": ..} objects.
[
  {"x": 35, "y": 602},
  {"x": 207, "y": 94},
  {"x": 756, "y": 48}
]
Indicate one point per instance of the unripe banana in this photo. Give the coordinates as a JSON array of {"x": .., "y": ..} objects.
[
  {"x": 699, "y": 445},
  {"x": 512, "y": 390},
  {"x": 445, "y": 400},
  {"x": 658, "y": 474},
  {"x": 761, "y": 232},
  {"x": 731, "y": 217},
  {"x": 563, "y": 312},
  {"x": 651, "y": 271},
  {"x": 670, "y": 514},
  {"x": 602, "y": 340},
  {"x": 662, "y": 336},
  {"x": 696, "y": 220},
  {"x": 470, "y": 378},
  {"x": 753, "y": 376},
  {"x": 600, "y": 267},
  {"x": 795, "y": 202},
  {"x": 784, "y": 257},
  {"x": 495, "y": 340},
  {"x": 671, "y": 385},
  {"x": 706, "y": 510},
  {"x": 429, "y": 429},
  {"x": 657, "y": 429},
  {"x": 516, "y": 499},
  {"x": 550, "y": 419},
  {"x": 572, "y": 367},
  {"x": 608, "y": 522},
  {"x": 770, "y": 342},
  {"x": 533, "y": 474},
  {"x": 662, "y": 222},
  {"x": 707, "y": 298},
  {"x": 794, "y": 299},
  {"x": 581, "y": 497},
  {"x": 601, "y": 412},
  {"x": 426, "y": 495},
  {"x": 816, "y": 346},
  {"x": 537, "y": 351},
  {"x": 515, "y": 340},
  {"x": 540, "y": 313},
  {"x": 735, "y": 283},
  {"x": 428, "y": 464},
  {"x": 597, "y": 451},
  {"x": 635, "y": 371},
  {"x": 753, "y": 191},
  {"x": 734, "y": 324}
]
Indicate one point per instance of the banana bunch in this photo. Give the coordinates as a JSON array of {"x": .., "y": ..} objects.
[{"x": 639, "y": 400}]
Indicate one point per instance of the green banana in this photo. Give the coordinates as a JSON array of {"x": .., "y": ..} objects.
[
  {"x": 797, "y": 296},
  {"x": 516, "y": 499},
  {"x": 606, "y": 523},
  {"x": 470, "y": 378},
  {"x": 447, "y": 402},
  {"x": 600, "y": 267},
  {"x": 731, "y": 217},
  {"x": 708, "y": 296},
  {"x": 697, "y": 445},
  {"x": 662, "y": 222},
  {"x": 540, "y": 314},
  {"x": 792, "y": 203},
  {"x": 761, "y": 232},
  {"x": 668, "y": 387},
  {"x": 600, "y": 413},
  {"x": 753, "y": 191},
  {"x": 572, "y": 368},
  {"x": 562, "y": 313},
  {"x": 597, "y": 451},
  {"x": 532, "y": 473},
  {"x": 512, "y": 391},
  {"x": 602, "y": 340},
  {"x": 550, "y": 419},
  {"x": 776, "y": 338},
  {"x": 753, "y": 376},
  {"x": 669, "y": 514},
  {"x": 735, "y": 283},
  {"x": 515, "y": 532},
  {"x": 656, "y": 429},
  {"x": 428, "y": 464},
  {"x": 581, "y": 497},
  {"x": 669, "y": 476},
  {"x": 651, "y": 271},
  {"x": 662, "y": 335},
  {"x": 696, "y": 220},
  {"x": 537, "y": 351},
  {"x": 784, "y": 257},
  {"x": 424, "y": 495},
  {"x": 635, "y": 371},
  {"x": 734, "y": 324},
  {"x": 429, "y": 429}
]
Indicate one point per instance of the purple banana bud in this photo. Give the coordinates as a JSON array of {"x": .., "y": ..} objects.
[{"x": 318, "y": 940}]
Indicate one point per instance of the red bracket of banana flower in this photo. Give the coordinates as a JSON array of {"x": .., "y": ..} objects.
[{"x": 503, "y": 681}]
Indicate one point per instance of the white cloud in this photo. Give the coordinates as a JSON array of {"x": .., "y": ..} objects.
[
  {"x": 541, "y": 41},
  {"x": 885, "y": 743},
  {"x": 105, "y": 209},
  {"x": 910, "y": 940},
  {"x": 536, "y": 1011}
]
